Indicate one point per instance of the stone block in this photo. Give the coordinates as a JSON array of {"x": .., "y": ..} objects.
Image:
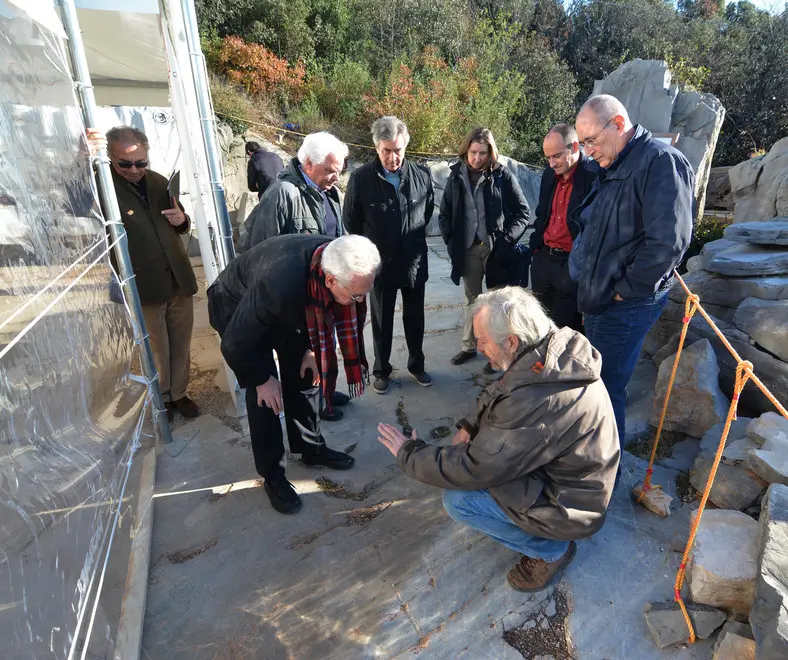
[
  {"x": 769, "y": 426},
  {"x": 696, "y": 403},
  {"x": 714, "y": 289},
  {"x": 667, "y": 625},
  {"x": 735, "y": 642},
  {"x": 769, "y": 613},
  {"x": 734, "y": 487},
  {"x": 724, "y": 560},
  {"x": 771, "y": 232},
  {"x": 711, "y": 439},
  {"x": 745, "y": 260},
  {"x": 766, "y": 321}
]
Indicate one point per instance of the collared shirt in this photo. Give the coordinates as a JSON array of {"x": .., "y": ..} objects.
[
  {"x": 475, "y": 211},
  {"x": 557, "y": 233},
  {"x": 331, "y": 218}
]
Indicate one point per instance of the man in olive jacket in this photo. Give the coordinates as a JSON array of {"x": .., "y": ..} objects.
[
  {"x": 165, "y": 280},
  {"x": 304, "y": 199},
  {"x": 534, "y": 466},
  {"x": 390, "y": 201}
]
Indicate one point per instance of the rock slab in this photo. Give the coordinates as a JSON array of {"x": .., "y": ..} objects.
[
  {"x": 696, "y": 402},
  {"x": 745, "y": 259},
  {"x": 769, "y": 613},
  {"x": 667, "y": 625},
  {"x": 772, "y": 232},
  {"x": 766, "y": 321},
  {"x": 724, "y": 561},
  {"x": 735, "y": 642}
]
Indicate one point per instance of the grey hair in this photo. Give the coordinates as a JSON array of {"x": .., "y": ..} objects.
[
  {"x": 567, "y": 133},
  {"x": 514, "y": 311},
  {"x": 317, "y": 147},
  {"x": 605, "y": 107},
  {"x": 389, "y": 128},
  {"x": 126, "y": 135},
  {"x": 350, "y": 256}
]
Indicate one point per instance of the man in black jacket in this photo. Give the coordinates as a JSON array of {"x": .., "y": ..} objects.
[
  {"x": 262, "y": 169},
  {"x": 390, "y": 201},
  {"x": 566, "y": 181},
  {"x": 289, "y": 294}
]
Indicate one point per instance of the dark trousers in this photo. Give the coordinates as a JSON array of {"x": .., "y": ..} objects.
[
  {"x": 554, "y": 288},
  {"x": 301, "y": 406},
  {"x": 383, "y": 299}
]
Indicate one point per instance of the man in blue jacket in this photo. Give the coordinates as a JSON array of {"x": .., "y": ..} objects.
[{"x": 636, "y": 225}]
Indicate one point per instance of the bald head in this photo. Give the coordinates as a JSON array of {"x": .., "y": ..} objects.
[{"x": 603, "y": 128}]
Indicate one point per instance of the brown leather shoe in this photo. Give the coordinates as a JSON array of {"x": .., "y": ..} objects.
[
  {"x": 531, "y": 574},
  {"x": 186, "y": 407}
]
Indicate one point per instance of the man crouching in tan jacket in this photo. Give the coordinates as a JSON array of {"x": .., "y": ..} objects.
[{"x": 534, "y": 466}]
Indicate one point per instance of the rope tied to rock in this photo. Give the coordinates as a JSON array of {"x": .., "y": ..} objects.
[{"x": 744, "y": 373}]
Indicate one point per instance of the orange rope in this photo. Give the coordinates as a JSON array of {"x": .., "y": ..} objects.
[{"x": 744, "y": 372}]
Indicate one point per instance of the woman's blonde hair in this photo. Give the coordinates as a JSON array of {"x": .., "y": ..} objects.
[{"x": 483, "y": 136}]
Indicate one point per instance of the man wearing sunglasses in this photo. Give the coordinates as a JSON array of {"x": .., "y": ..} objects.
[
  {"x": 636, "y": 224},
  {"x": 165, "y": 280}
]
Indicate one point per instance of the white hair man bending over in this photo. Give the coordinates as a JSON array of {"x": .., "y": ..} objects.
[
  {"x": 534, "y": 465},
  {"x": 303, "y": 200}
]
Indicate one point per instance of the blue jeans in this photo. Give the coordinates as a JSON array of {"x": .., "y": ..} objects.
[
  {"x": 478, "y": 509},
  {"x": 618, "y": 335}
]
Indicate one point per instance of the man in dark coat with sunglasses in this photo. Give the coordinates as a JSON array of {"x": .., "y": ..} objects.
[{"x": 154, "y": 222}]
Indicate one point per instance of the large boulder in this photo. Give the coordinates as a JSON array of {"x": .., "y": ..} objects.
[
  {"x": 760, "y": 185},
  {"x": 696, "y": 402},
  {"x": 724, "y": 560},
  {"x": 766, "y": 321},
  {"x": 769, "y": 612},
  {"x": 718, "y": 189}
]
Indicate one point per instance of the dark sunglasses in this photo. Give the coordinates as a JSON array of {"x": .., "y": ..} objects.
[{"x": 128, "y": 164}]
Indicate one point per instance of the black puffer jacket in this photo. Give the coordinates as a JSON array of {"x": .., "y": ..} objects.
[
  {"x": 395, "y": 221},
  {"x": 260, "y": 292},
  {"x": 505, "y": 207}
]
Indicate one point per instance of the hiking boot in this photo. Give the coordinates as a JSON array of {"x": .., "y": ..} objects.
[
  {"x": 423, "y": 378},
  {"x": 463, "y": 356},
  {"x": 282, "y": 494},
  {"x": 488, "y": 370},
  {"x": 531, "y": 574},
  {"x": 186, "y": 407},
  {"x": 333, "y": 415},
  {"x": 381, "y": 385},
  {"x": 339, "y": 399},
  {"x": 330, "y": 458}
]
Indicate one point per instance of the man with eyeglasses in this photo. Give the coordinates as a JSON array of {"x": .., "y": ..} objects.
[
  {"x": 567, "y": 179},
  {"x": 154, "y": 222},
  {"x": 636, "y": 225}
]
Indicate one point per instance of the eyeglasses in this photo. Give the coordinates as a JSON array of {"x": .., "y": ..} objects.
[
  {"x": 128, "y": 164},
  {"x": 353, "y": 297},
  {"x": 591, "y": 142}
]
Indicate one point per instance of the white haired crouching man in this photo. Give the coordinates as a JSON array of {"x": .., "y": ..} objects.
[
  {"x": 290, "y": 294},
  {"x": 534, "y": 466}
]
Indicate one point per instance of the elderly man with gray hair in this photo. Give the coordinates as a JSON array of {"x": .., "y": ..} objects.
[
  {"x": 390, "y": 201},
  {"x": 303, "y": 200},
  {"x": 534, "y": 465}
]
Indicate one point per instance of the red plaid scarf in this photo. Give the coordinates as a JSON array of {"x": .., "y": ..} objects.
[{"x": 323, "y": 315}]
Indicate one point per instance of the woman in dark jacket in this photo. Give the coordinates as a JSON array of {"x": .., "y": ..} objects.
[{"x": 482, "y": 203}]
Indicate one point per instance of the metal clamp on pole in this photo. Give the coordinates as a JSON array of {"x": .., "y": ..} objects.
[{"x": 110, "y": 203}]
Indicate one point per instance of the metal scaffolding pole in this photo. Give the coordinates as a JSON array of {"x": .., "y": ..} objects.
[
  {"x": 208, "y": 128},
  {"x": 109, "y": 200}
]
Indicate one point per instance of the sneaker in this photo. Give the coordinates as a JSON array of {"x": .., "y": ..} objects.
[
  {"x": 463, "y": 356},
  {"x": 489, "y": 370},
  {"x": 423, "y": 378},
  {"x": 381, "y": 385},
  {"x": 282, "y": 494},
  {"x": 339, "y": 399},
  {"x": 531, "y": 574},
  {"x": 333, "y": 415},
  {"x": 186, "y": 407},
  {"x": 330, "y": 458}
]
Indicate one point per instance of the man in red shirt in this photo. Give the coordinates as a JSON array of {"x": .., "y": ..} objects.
[{"x": 567, "y": 179}]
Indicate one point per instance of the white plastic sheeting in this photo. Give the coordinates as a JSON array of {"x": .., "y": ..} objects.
[{"x": 71, "y": 413}]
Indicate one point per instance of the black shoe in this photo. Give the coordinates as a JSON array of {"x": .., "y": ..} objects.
[
  {"x": 283, "y": 497},
  {"x": 488, "y": 369},
  {"x": 423, "y": 378},
  {"x": 381, "y": 385},
  {"x": 186, "y": 407},
  {"x": 463, "y": 356},
  {"x": 339, "y": 399},
  {"x": 333, "y": 415},
  {"x": 330, "y": 458}
]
